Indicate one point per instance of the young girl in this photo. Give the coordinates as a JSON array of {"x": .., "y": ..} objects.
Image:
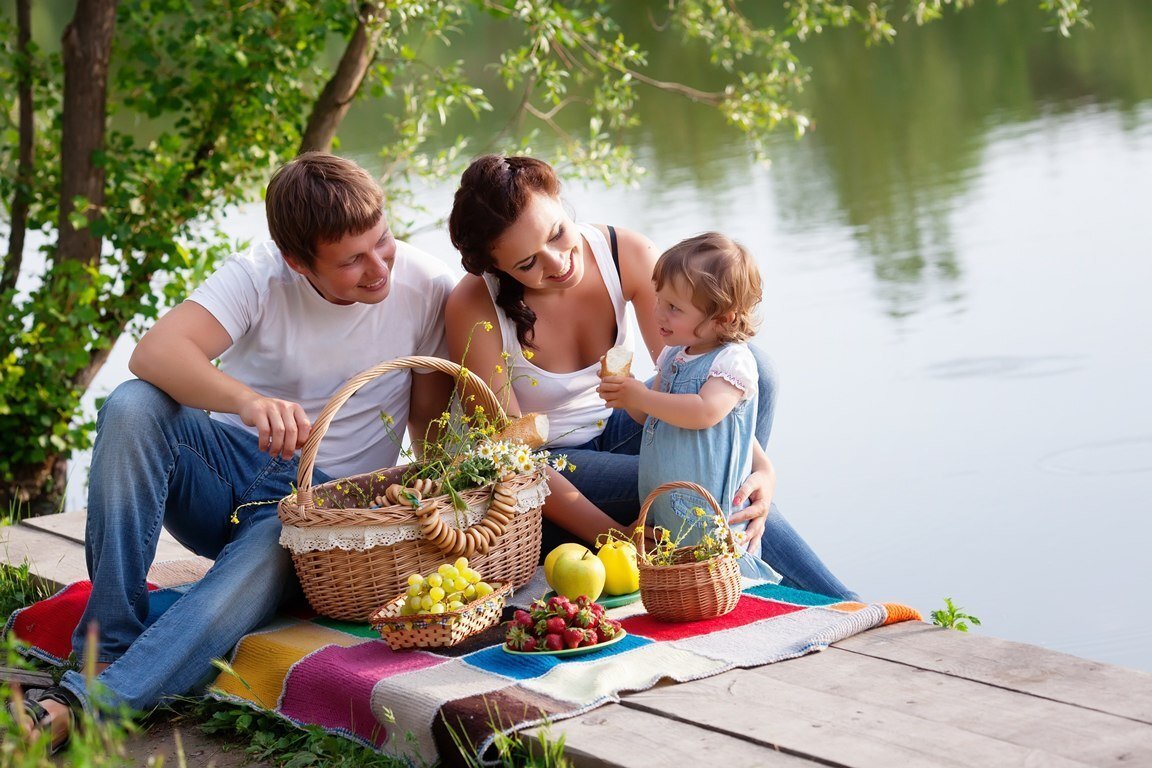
[{"x": 700, "y": 414}]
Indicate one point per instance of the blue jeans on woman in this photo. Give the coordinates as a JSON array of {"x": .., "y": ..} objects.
[
  {"x": 606, "y": 473},
  {"x": 157, "y": 463}
]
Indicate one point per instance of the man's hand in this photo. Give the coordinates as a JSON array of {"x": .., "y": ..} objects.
[
  {"x": 622, "y": 392},
  {"x": 282, "y": 425},
  {"x": 758, "y": 489}
]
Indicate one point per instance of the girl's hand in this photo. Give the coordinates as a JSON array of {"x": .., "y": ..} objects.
[{"x": 622, "y": 392}]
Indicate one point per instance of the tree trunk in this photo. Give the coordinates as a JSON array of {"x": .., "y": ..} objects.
[
  {"x": 87, "y": 50},
  {"x": 87, "y": 47},
  {"x": 341, "y": 89},
  {"x": 24, "y": 167}
]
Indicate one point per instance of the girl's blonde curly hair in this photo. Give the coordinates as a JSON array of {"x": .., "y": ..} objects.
[{"x": 722, "y": 277}]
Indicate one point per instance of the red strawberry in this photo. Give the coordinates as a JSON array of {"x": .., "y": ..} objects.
[
  {"x": 584, "y": 618},
  {"x": 539, "y": 610},
  {"x": 557, "y": 605},
  {"x": 607, "y": 628},
  {"x": 515, "y": 637},
  {"x": 573, "y": 637},
  {"x": 555, "y": 625},
  {"x": 523, "y": 619},
  {"x": 570, "y": 611},
  {"x": 553, "y": 642},
  {"x": 530, "y": 644}
]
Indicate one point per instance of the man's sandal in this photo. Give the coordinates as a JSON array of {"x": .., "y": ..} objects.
[{"x": 42, "y": 720}]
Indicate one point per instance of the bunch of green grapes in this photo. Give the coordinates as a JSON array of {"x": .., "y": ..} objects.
[{"x": 449, "y": 588}]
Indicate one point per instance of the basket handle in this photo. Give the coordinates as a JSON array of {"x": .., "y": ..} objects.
[
  {"x": 650, "y": 499},
  {"x": 353, "y": 385}
]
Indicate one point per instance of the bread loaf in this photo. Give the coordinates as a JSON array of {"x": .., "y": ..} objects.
[
  {"x": 530, "y": 430},
  {"x": 616, "y": 362}
]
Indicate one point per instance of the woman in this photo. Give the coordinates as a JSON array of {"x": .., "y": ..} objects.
[{"x": 553, "y": 292}]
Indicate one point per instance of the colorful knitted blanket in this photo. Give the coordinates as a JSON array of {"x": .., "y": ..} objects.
[{"x": 417, "y": 704}]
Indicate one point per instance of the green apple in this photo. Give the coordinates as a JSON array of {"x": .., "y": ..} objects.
[
  {"x": 570, "y": 549},
  {"x": 576, "y": 576}
]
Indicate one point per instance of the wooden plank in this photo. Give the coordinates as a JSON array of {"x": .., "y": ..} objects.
[
  {"x": 1015, "y": 666},
  {"x": 50, "y": 558},
  {"x": 70, "y": 525},
  {"x": 832, "y": 728},
  {"x": 1049, "y": 728},
  {"x": 172, "y": 573},
  {"x": 27, "y": 678},
  {"x": 617, "y": 737}
]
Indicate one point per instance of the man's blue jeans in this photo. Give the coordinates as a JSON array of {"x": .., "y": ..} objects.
[
  {"x": 156, "y": 463},
  {"x": 606, "y": 473}
]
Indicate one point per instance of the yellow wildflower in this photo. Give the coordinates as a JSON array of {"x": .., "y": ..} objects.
[
  {"x": 487, "y": 326},
  {"x": 534, "y": 382},
  {"x": 529, "y": 354},
  {"x": 505, "y": 356},
  {"x": 499, "y": 369}
]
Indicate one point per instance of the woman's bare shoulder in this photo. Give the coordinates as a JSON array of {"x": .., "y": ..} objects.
[
  {"x": 631, "y": 243},
  {"x": 470, "y": 299}
]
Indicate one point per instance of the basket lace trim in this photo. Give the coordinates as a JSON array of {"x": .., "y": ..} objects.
[{"x": 300, "y": 541}]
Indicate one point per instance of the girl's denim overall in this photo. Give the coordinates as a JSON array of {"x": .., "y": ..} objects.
[{"x": 718, "y": 458}]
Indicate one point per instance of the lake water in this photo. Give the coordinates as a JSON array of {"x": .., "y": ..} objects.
[{"x": 957, "y": 264}]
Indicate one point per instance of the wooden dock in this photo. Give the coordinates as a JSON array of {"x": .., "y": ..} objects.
[{"x": 904, "y": 695}]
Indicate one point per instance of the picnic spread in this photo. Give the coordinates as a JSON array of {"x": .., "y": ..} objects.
[
  {"x": 427, "y": 630},
  {"x": 343, "y": 677}
]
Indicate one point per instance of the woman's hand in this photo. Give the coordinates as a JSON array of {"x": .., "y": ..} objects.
[{"x": 757, "y": 489}]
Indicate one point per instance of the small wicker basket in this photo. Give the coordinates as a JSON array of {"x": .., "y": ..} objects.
[
  {"x": 688, "y": 590},
  {"x": 351, "y": 584},
  {"x": 428, "y": 630}
]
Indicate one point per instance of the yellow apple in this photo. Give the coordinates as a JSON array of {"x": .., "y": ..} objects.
[
  {"x": 576, "y": 576},
  {"x": 570, "y": 549},
  {"x": 623, "y": 575}
]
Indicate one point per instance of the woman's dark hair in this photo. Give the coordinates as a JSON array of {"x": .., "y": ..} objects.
[{"x": 493, "y": 192}]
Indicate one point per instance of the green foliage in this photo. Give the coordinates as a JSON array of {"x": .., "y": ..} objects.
[
  {"x": 216, "y": 93},
  {"x": 270, "y": 738},
  {"x": 99, "y": 741},
  {"x": 953, "y": 617}
]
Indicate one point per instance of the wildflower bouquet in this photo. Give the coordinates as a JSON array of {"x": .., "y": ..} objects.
[
  {"x": 714, "y": 541},
  {"x": 468, "y": 451}
]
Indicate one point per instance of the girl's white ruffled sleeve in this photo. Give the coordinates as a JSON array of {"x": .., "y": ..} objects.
[{"x": 736, "y": 365}]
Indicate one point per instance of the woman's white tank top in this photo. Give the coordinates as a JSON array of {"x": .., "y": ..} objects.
[{"x": 575, "y": 412}]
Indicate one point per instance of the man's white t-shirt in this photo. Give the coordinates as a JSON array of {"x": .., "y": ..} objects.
[{"x": 290, "y": 343}]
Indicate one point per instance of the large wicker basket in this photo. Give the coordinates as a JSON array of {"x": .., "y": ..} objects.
[
  {"x": 688, "y": 590},
  {"x": 352, "y": 582}
]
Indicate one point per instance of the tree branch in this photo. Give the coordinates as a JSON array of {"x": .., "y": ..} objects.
[
  {"x": 25, "y": 169},
  {"x": 706, "y": 97},
  {"x": 341, "y": 89}
]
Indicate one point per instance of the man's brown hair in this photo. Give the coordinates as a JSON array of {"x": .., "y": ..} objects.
[
  {"x": 320, "y": 198},
  {"x": 722, "y": 277}
]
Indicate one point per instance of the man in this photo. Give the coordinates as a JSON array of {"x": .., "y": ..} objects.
[{"x": 194, "y": 446}]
